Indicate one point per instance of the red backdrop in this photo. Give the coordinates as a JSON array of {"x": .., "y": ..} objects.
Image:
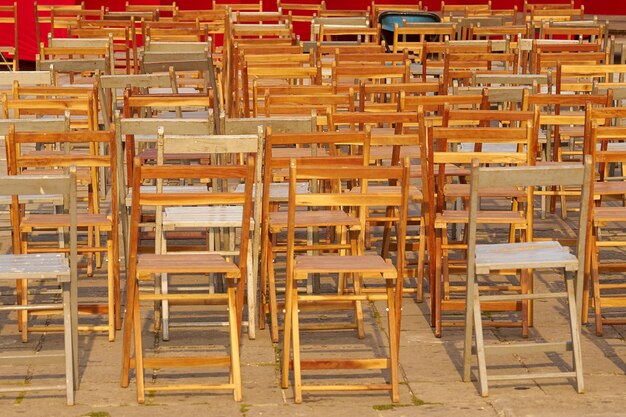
[{"x": 26, "y": 18}]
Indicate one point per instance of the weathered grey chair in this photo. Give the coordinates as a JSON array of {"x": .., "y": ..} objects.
[
  {"x": 484, "y": 259},
  {"x": 56, "y": 267}
]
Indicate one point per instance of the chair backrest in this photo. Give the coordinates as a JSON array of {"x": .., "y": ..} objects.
[
  {"x": 108, "y": 86},
  {"x": 164, "y": 173},
  {"x": 102, "y": 154},
  {"x": 580, "y": 78},
  {"x": 63, "y": 184},
  {"x": 357, "y": 202},
  {"x": 55, "y": 101},
  {"x": 43, "y": 15}
]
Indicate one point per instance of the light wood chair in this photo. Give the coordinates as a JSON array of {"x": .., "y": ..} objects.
[
  {"x": 443, "y": 163},
  {"x": 57, "y": 268},
  {"x": 351, "y": 261},
  {"x": 604, "y": 132},
  {"x": 564, "y": 122},
  {"x": 121, "y": 40},
  {"x": 486, "y": 258},
  {"x": 80, "y": 103},
  {"x": 279, "y": 149},
  {"x": 109, "y": 87},
  {"x": 219, "y": 223},
  {"x": 43, "y": 14},
  {"x": 143, "y": 266}
]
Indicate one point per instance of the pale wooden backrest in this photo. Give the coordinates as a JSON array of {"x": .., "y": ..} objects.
[
  {"x": 62, "y": 184},
  {"x": 108, "y": 86},
  {"x": 530, "y": 176},
  {"x": 35, "y": 125}
]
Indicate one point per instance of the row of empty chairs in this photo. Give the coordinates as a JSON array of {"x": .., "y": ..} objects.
[{"x": 323, "y": 176}]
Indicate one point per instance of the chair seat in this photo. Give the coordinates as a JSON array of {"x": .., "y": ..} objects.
[
  {"x": 83, "y": 175},
  {"x": 151, "y": 189},
  {"x": 496, "y": 217},
  {"x": 366, "y": 264},
  {"x": 32, "y": 221},
  {"x": 35, "y": 266},
  {"x": 463, "y": 190},
  {"x": 609, "y": 188},
  {"x": 603, "y": 215},
  {"x": 549, "y": 254},
  {"x": 186, "y": 263},
  {"x": 279, "y": 191},
  {"x": 319, "y": 218},
  {"x": 207, "y": 216},
  {"x": 384, "y": 152},
  {"x": 415, "y": 194}
]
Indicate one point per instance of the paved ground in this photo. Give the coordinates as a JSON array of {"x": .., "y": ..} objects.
[{"x": 431, "y": 382}]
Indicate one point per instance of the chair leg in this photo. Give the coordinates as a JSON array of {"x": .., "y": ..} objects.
[
  {"x": 290, "y": 294},
  {"x": 480, "y": 344},
  {"x": 421, "y": 255},
  {"x": 394, "y": 324},
  {"x": 165, "y": 309},
  {"x": 127, "y": 333},
  {"x": 575, "y": 332},
  {"x": 272, "y": 295},
  {"x": 233, "y": 322},
  {"x": 295, "y": 329},
  {"x": 110, "y": 292},
  {"x": 469, "y": 327},
  {"x": 69, "y": 328},
  {"x": 139, "y": 369}
]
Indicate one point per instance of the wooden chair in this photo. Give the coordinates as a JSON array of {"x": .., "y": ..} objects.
[
  {"x": 580, "y": 78},
  {"x": 361, "y": 35},
  {"x": 121, "y": 41},
  {"x": 81, "y": 103},
  {"x": 487, "y": 258},
  {"x": 250, "y": 7},
  {"x": 463, "y": 9},
  {"x": 301, "y": 13},
  {"x": 412, "y": 37},
  {"x": 22, "y": 162},
  {"x": 43, "y": 14},
  {"x": 162, "y": 10},
  {"x": 458, "y": 67},
  {"x": 386, "y": 96},
  {"x": 563, "y": 121},
  {"x": 441, "y": 163},
  {"x": 143, "y": 266},
  {"x": 588, "y": 33},
  {"x": 134, "y": 130},
  {"x": 604, "y": 132},
  {"x": 345, "y": 74},
  {"x": 276, "y": 75},
  {"x": 544, "y": 60},
  {"x": 109, "y": 87},
  {"x": 221, "y": 223},
  {"x": 58, "y": 268},
  {"x": 259, "y": 92},
  {"x": 303, "y": 104},
  {"x": 114, "y": 27},
  {"x": 10, "y": 53},
  {"x": 279, "y": 149},
  {"x": 63, "y": 17},
  {"x": 350, "y": 261}
]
